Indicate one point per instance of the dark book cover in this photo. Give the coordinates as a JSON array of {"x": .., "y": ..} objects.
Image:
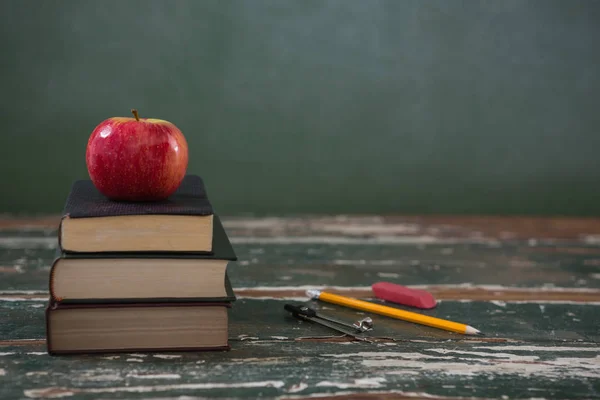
[
  {"x": 85, "y": 201},
  {"x": 221, "y": 249},
  {"x": 53, "y": 307},
  {"x": 228, "y": 298}
]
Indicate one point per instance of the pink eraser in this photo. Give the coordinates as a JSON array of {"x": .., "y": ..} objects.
[{"x": 402, "y": 295}]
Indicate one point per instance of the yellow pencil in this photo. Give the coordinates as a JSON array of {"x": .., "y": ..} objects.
[{"x": 393, "y": 312}]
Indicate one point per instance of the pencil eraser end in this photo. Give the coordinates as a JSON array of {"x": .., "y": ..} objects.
[{"x": 399, "y": 294}]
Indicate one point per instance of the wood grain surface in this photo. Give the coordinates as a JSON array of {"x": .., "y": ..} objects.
[{"x": 531, "y": 284}]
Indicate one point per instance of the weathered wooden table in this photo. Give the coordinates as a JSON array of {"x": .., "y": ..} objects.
[{"x": 532, "y": 285}]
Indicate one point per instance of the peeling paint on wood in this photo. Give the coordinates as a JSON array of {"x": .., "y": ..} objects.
[
  {"x": 513, "y": 322},
  {"x": 496, "y": 294},
  {"x": 450, "y": 292},
  {"x": 53, "y": 391},
  {"x": 379, "y": 395},
  {"x": 505, "y": 228},
  {"x": 351, "y": 266},
  {"x": 322, "y": 368},
  {"x": 23, "y": 342},
  {"x": 29, "y": 223},
  {"x": 529, "y": 283}
]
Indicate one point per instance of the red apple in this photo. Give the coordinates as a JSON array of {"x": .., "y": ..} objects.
[{"x": 136, "y": 159}]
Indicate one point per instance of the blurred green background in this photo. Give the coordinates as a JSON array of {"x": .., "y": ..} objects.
[{"x": 341, "y": 106}]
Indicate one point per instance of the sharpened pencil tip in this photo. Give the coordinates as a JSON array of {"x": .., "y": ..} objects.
[
  {"x": 472, "y": 331},
  {"x": 313, "y": 294}
]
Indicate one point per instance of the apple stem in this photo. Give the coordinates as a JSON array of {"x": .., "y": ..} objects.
[{"x": 135, "y": 114}]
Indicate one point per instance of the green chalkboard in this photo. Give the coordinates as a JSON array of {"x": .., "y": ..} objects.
[{"x": 341, "y": 106}]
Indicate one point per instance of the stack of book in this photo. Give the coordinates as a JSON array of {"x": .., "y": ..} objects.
[{"x": 141, "y": 276}]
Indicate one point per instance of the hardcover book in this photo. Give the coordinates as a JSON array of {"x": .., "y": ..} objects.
[
  {"x": 144, "y": 277},
  {"x": 93, "y": 223},
  {"x": 109, "y": 328}
]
